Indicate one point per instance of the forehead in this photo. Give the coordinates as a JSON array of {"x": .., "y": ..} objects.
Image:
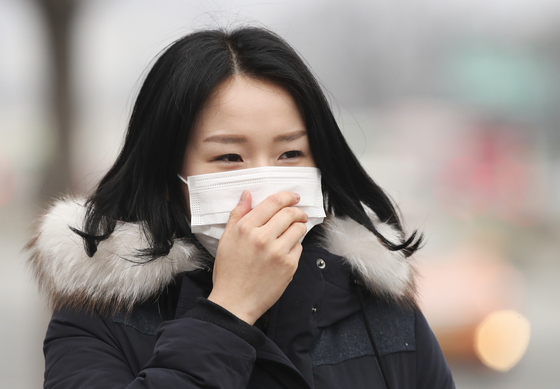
[{"x": 242, "y": 104}]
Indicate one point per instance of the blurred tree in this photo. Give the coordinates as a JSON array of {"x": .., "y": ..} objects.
[{"x": 58, "y": 16}]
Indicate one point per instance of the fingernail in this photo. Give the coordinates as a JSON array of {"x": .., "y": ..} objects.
[
  {"x": 243, "y": 196},
  {"x": 298, "y": 197}
]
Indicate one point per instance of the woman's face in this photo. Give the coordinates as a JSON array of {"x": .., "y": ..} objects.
[{"x": 247, "y": 123}]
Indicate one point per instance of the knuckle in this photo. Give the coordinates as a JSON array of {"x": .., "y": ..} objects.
[
  {"x": 274, "y": 199},
  {"x": 235, "y": 213},
  {"x": 243, "y": 228},
  {"x": 290, "y": 211},
  {"x": 291, "y": 264},
  {"x": 286, "y": 260},
  {"x": 261, "y": 240},
  {"x": 277, "y": 254}
]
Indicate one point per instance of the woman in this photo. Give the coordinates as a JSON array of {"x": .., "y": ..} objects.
[{"x": 152, "y": 287}]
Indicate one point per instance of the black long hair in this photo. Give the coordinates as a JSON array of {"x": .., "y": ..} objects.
[{"x": 142, "y": 186}]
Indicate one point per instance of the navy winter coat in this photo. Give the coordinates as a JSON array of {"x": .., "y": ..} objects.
[{"x": 315, "y": 336}]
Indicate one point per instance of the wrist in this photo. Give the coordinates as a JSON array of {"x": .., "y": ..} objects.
[{"x": 234, "y": 308}]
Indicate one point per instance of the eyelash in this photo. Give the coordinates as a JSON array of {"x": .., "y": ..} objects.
[
  {"x": 227, "y": 157},
  {"x": 298, "y": 153}
]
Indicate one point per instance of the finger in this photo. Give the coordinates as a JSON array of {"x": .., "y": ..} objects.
[
  {"x": 264, "y": 211},
  {"x": 241, "y": 209},
  {"x": 283, "y": 219},
  {"x": 292, "y": 235},
  {"x": 296, "y": 250}
]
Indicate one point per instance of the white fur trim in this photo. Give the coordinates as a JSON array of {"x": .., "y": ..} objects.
[
  {"x": 109, "y": 278},
  {"x": 383, "y": 271},
  {"x": 112, "y": 280}
]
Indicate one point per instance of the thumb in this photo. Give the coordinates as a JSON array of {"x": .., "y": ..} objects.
[{"x": 241, "y": 209}]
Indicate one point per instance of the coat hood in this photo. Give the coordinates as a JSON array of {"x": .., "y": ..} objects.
[{"x": 115, "y": 279}]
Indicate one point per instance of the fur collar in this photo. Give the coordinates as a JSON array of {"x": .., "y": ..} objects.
[{"x": 111, "y": 278}]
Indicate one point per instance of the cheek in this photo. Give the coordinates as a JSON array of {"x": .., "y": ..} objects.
[
  {"x": 187, "y": 163},
  {"x": 310, "y": 161},
  {"x": 195, "y": 162}
]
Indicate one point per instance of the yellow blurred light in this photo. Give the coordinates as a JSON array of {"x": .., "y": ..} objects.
[{"x": 502, "y": 339}]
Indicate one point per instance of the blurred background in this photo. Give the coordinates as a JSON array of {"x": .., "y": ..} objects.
[{"x": 451, "y": 105}]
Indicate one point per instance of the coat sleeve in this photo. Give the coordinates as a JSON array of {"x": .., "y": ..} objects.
[
  {"x": 432, "y": 371},
  {"x": 83, "y": 351}
]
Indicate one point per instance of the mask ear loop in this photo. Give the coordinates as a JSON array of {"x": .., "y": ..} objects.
[
  {"x": 182, "y": 179},
  {"x": 186, "y": 216}
]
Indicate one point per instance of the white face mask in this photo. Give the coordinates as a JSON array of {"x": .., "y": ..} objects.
[{"x": 213, "y": 196}]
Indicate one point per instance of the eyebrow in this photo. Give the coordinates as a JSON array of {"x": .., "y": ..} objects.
[
  {"x": 236, "y": 139},
  {"x": 226, "y": 139},
  {"x": 290, "y": 136}
]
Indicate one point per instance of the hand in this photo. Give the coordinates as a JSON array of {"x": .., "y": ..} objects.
[{"x": 258, "y": 254}]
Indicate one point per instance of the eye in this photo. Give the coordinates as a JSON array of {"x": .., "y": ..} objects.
[
  {"x": 292, "y": 154},
  {"x": 229, "y": 158}
]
